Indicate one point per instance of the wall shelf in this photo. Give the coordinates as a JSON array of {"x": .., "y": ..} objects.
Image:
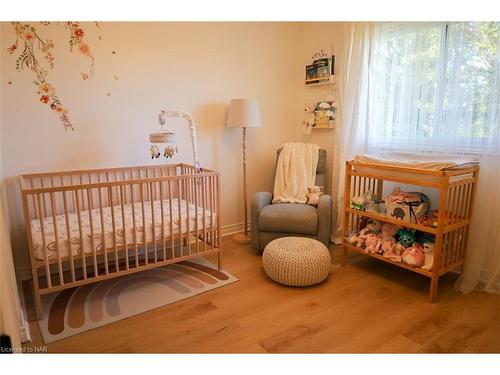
[{"x": 325, "y": 81}]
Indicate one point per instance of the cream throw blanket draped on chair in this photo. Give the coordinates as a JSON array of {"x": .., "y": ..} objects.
[{"x": 295, "y": 172}]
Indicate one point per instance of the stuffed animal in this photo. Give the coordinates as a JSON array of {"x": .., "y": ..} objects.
[
  {"x": 371, "y": 202},
  {"x": 372, "y": 243},
  {"x": 396, "y": 252},
  {"x": 170, "y": 151},
  {"x": 425, "y": 220},
  {"x": 372, "y": 226},
  {"x": 429, "y": 255},
  {"x": 388, "y": 240},
  {"x": 155, "y": 152},
  {"x": 309, "y": 119},
  {"x": 314, "y": 194},
  {"x": 414, "y": 256},
  {"x": 358, "y": 203},
  {"x": 406, "y": 237},
  {"x": 351, "y": 237}
]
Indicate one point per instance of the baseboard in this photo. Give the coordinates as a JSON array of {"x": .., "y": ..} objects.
[
  {"x": 230, "y": 229},
  {"x": 24, "y": 273}
]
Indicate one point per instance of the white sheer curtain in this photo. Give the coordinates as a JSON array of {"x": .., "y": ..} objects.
[
  {"x": 351, "y": 136},
  {"x": 435, "y": 87}
]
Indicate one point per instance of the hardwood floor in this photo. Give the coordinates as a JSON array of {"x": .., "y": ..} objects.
[{"x": 366, "y": 306}]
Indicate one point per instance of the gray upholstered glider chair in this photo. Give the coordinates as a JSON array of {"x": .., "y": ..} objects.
[{"x": 270, "y": 221}]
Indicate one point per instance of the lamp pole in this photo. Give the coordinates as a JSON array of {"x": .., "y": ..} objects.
[{"x": 244, "y": 237}]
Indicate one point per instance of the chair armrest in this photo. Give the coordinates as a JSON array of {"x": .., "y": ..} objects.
[
  {"x": 259, "y": 201},
  {"x": 324, "y": 218}
]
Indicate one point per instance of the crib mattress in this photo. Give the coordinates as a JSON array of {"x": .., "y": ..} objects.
[{"x": 103, "y": 234}]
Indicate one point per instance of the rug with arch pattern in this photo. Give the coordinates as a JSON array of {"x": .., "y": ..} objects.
[{"x": 83, "y": 308}]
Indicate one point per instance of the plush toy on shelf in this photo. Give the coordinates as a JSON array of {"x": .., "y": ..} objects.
[
  {"x": 406, "y": 237},
  {"x": 414, "y": 255},
  {"x": 358, "y": 203},
  {"x": 396, "y": 252},
  {"x": 314, "y": 194},
  {"x": 351, "y": 237},
  {"x": 372, "y": 226},
  {"x": 372, "y": 243},
  {"x": 371, "y": 202},
  {"x": 428, "y": 249},
  {"x": 387, "y": 239},
  {"x": 425, "y": 220}
]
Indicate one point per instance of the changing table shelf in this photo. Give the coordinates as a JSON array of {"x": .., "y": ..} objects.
[{"x": 456, "y": 189}]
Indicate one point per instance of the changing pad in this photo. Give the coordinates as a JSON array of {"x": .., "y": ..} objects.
[{"x": 435, "y": 162}]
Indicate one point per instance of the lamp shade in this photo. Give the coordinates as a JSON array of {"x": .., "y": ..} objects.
[{"x": 244, "y": 113}]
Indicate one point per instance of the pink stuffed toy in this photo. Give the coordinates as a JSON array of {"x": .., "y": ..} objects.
[
  {"x": 414, "y": 256},
  {"x": 387, "y": 240},
  {"x": 372, "y": 243}
]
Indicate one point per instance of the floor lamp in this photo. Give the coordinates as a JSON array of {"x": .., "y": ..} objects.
[{"x": 244, "y": 113}]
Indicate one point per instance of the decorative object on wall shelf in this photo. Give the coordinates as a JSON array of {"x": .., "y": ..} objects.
[
  {"x": 322, "y": 70},
  {"x": 324, "y": 115},
  {"x": 168, "y": 138},
  {"x": 309, "y": 118},
  {"x": 244, "y": 113},
  {"x": 30, "y": 38}
]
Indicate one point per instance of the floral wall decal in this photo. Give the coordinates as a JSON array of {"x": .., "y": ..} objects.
[{"x": 32, "y": 44}]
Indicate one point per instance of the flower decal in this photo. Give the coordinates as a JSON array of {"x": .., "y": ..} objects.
[{"x": 28, "y": 60}]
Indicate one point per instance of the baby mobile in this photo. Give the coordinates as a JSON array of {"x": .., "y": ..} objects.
[{"x": 27, "y": 59}]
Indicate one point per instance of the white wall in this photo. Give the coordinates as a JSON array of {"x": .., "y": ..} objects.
[{"x": 195, "y": 67}]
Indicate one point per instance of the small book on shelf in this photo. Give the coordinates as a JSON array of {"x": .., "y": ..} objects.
[{"x": 311, "y": 74}]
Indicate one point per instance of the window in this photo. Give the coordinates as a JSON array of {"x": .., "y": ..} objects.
[{"x": 435, "y": 85}]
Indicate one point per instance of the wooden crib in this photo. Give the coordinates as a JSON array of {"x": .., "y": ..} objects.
[{"x": 92, "y": 225}]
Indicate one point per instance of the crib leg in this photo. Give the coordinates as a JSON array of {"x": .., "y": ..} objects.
[
  {"x": 219, "y": 260},
  {"x": 38, "y": 304},
  {"x": 434, "y": 288}
]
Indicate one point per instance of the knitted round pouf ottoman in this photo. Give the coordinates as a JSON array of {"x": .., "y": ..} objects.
[{"x": 296, "y": 261}]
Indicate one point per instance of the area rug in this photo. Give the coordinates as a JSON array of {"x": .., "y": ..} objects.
[{"x": 83, "y": 308}]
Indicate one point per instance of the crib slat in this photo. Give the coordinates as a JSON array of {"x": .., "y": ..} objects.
[
  {"x": 188, "y": 201},
  {"x": 211, "y": 197},
  {"x": 80, "y": 234},
  {"x": 217, "y": 211},
  {"x": 181, "y": 237},
  {"x": 103, "y": 233},
  {"x": 124, "y": 227},
  {"x": 195, "y": 192},
  {"x": 204, "y": 207},
  {"x": 68, "y": 233},
  {"x": 162, "y": 222},
  {"x": 134, "y": 225},
  {"x": 113, "y": 223},
  {"x": 44, "y": 242},
  {"x": 56, "y": 236},
  {"x": 152, "y": 201},
  {"x": 144, "y": 240},
  {"x": 171, "y": 222},
  {"x": 92, "y": 240}
]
